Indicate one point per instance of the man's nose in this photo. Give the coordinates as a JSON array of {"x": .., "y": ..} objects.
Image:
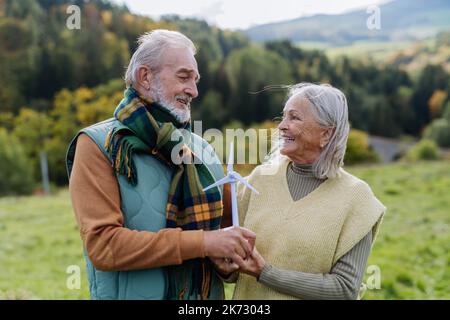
[{"x": 191, "y": 89}]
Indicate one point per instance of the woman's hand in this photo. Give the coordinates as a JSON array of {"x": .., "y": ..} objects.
[{"x": 253, "y": 265}]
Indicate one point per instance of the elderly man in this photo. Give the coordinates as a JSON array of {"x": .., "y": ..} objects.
[{"x": 147, "y": 225}]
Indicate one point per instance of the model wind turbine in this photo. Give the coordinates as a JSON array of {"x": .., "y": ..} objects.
[{"x": 232, "y": 177}]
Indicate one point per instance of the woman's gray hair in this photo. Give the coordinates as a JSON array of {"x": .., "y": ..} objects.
[
  {"x": 151, "y": 49},
  {"x": 330, "y": 110}
]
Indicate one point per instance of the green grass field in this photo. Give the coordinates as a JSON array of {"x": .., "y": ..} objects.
[{"x": 39, "y": 238}]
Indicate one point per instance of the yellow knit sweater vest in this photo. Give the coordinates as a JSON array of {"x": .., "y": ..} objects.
[{"x": 307, "y": 235}]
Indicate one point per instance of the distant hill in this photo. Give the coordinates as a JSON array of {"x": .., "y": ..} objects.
[
  {"x": 434, "y": 50},
  {"x": 401, "y": 20}
]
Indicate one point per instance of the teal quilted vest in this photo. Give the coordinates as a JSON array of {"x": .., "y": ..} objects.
[{"x": 143, "y": 207}]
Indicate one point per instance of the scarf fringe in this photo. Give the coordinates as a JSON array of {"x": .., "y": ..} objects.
[
  {"x": 122, "y": 156},
  {"x": 191, "y": 280}
]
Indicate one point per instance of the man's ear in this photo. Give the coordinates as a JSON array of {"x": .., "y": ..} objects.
[{"x": 144, "y": 77}]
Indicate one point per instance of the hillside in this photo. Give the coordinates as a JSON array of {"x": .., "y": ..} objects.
[
  {"x": 435, "y": 50},
  {"x": 401, "y": 20},
  {"x": 410, "y": 56}
]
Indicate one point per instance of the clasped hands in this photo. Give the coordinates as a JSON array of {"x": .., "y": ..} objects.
[{"x": 242, "y": 257}]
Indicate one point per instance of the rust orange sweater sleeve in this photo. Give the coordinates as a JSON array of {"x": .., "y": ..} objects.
[{"x": 95, "y": 199}]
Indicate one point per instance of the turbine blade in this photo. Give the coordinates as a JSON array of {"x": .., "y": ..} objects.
[
  {"x": 224, "y": 180},
  {"x": 248, "y": 185}
]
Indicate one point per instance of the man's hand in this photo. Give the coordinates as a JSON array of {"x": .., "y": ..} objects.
[
  {"x": 224, "y": 266},
  {"x": 233, "y": 243}
]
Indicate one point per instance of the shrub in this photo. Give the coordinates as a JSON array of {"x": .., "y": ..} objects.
[
  {"x": 16, "y": 172},
  {"x": 423, "y": 150},
  {"x": 358, "y": 150},
  {"x": 439, "y": 132}
]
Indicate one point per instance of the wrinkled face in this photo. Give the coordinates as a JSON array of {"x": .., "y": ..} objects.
[
  {"x": 301, "y": 135},
  {"x": 175, "y": 85}
]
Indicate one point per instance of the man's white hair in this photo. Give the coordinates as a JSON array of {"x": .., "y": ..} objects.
[
  {"x": 151, "y": 49},
  {"x": 330, "y": 110}
]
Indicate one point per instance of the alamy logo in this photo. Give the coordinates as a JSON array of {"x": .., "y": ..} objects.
[
  {"x": 73, "y": 281},
  {"x": 74, "y": 20},
  {"x": 374, "y": 20},
  {"x": 374, "y": 280}
]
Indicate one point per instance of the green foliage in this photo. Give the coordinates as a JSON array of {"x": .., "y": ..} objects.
[
  {"x": 439, "y": 132},
  {"x": 15, "y": 60},
  {"x": 249, "y": 70},
  {"x": 210, "y": 111},
  {"x": 72, "y": 78},
  {"x": 358, "y": 150},
  {"x": 16, "y": 172},
  {"x": 72, "y": 111},
  {"x": 40, "y": 56},
  {"x": 413, "y": 57},
  {"x": 53, "y": 57},
  {"x": 447, "y": 112},
  {"x": 423, "y": 150},
  {"x": 32, "y": 128},
  {"x": 7, "y": 120},
  {"x": 52, "y": 131},
  {"x": 14, "y": 36},
  {"x": 432, "y": 78}
]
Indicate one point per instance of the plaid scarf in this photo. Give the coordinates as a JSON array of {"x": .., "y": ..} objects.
[{"x": 148, "y": 128}]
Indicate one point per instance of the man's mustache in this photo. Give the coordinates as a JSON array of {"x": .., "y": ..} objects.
[{"x": 186, "y": 98}]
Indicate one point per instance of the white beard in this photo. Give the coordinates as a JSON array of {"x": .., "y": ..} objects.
[{"x": 157, "y": 93}]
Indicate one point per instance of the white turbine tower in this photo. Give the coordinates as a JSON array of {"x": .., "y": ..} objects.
[{"x": 232, "y": 177}]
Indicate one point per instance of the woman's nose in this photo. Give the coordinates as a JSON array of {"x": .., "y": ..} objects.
[{"x": 282, "y": 125}]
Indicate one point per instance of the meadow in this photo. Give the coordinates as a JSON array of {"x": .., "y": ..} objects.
[{"x": 39, "y": 239}]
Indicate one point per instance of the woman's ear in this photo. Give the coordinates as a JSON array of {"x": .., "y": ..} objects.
[
  {"x": 326, "y": 136},
  {"x": 144, "y": 77}
]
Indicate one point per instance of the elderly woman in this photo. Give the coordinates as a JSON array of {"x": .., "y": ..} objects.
[{"x": 315, "y": 222}]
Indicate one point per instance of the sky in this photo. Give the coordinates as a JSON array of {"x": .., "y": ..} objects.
[{"x": 241, "y": 14}]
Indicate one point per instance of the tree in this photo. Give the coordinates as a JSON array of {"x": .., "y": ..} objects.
[
  {"x": 32, "y": 129},
  {"x": 433, "y": 77},
  {"x": 14, "y": 63},
  {"x": 249, "y": 70},
  {"x": 436, "y": 103},
  {"x": 439, "y": 132},
  {"x": 16, "y": 172},
  {"x": 65, "y": 126},
  {"x": 210, "y": 111}
]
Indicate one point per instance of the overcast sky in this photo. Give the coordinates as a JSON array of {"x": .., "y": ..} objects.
[{"x": 235, "y": 14}]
